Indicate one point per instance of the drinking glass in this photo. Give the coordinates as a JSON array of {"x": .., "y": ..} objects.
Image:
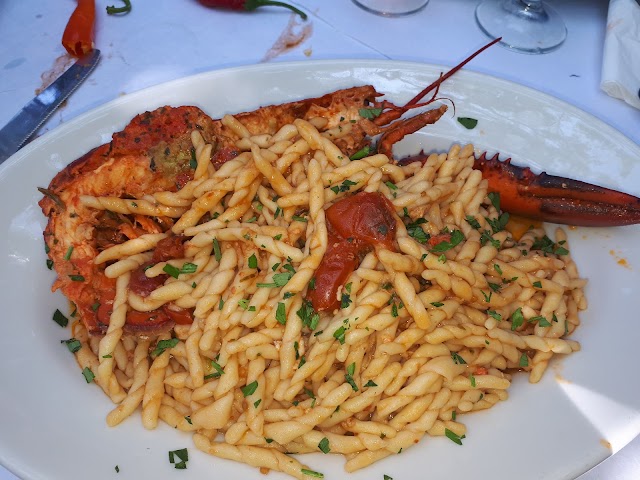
[
  {"x": 528, "y": 26},
  {"x": 392, "y": 8}
]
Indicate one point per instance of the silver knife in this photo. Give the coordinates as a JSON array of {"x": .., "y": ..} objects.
[{"x": 15, "y": 133}]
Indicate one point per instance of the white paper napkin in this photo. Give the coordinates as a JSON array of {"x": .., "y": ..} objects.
[{"x": 621, "y": 58}]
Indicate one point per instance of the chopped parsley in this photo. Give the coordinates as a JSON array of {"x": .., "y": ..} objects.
[
  {"x": 281, "y": 315},
  {"x": 473, "y": 222},
  {"x": 370, "y": 113},
  {"x": 76, "y": 278},
  {"x": 494, "y": 198},
  {"x": 517, "y": 319},
  {"x": 416, "y": 232},
  {"x": 371, "y": 383},
  {"x": 189, "y": 267},
  {"x": 67, "y": 255},
  {"x": 457, "y": 359},
  {"x": 344, "y": 187},
  {"x": 472, "y": 379},
  {"x": 297, "y": 218},
  {"x": 345, "y": 300},
  {"x": 312, "y": 473},
  {"x": 183, "y": 457},
  {"x": 468, "y": 122},
  {"x": 363, "y": 152},
  {"x": 253, "y": 261},
  {"x": 498, "y": 224},
  {"x": 88, "y": 374},
  {"x": 281, "y": 279},
  {"x": 216, "y": 250},
  {"x": 324, "y": 445},
  {"x": 437, "y": 304},
  {"x": 250, "y": 388},
  {"x": 351, "y": 369},
  {"x": 339, "y": 334},
  {"x": 546, "y": 245},
  {"x": 162, "y": 345},
  {"x": 456, "y": 238},
  {"x": 486, "y": 237},
  {"x": 171, "y": 270},
  {"x": 454, "y": 437},
  {"x": 542, "y": 321},
  {"x": 524, "y": 360},
  {"x": 218, "y": 370},
  {"x": 537, "y": 284},
  {"x": 60, "y": 319},
  {"x": 494, "y": 314},
  {"x": 72, "y": 344},
  {"x": 308, "y": 315}
]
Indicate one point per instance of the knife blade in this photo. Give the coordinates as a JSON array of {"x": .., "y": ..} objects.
[{"x": 20, "y": 128}]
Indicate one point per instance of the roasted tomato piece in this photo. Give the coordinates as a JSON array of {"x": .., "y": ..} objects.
[
  {"x": 181, "y": 316},
  {"x": 169, "y": 248},
  {"x": 366, "y": 217},
  {"x": 339, "y": 261},
  {"x": 142, "y": 285}
]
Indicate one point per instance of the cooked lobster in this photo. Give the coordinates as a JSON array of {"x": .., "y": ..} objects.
[{"x": 154, "y": 153}]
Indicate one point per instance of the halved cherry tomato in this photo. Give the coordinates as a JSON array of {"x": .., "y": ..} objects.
[
  {"x": 366, "y": 217},
  {"x": 356, "y": 224}
]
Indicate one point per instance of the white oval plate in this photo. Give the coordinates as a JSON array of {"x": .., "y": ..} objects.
[{"x": 52, "y": 424}]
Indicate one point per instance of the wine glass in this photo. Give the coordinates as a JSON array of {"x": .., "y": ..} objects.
[
  {"x": 392, "y": 8},
  {"x": 528, "y": 26}
]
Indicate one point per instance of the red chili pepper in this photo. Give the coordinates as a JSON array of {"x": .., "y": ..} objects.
[
  {"x": 250, "y": 5},
  {"x": 78, "y": 35}
]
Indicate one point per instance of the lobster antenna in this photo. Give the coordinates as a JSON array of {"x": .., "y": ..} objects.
[{"x": 450, "y": 72}]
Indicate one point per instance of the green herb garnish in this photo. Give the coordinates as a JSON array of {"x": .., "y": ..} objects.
[
  {"x": 454, "y": 437},
  {"x": 250, "y": 388},
  {"x": 468, "y": 122}
]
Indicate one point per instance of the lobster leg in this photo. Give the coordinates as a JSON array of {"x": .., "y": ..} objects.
[
  {"x": 402, "y": 128},
  {"x": 556, "y": 199}
]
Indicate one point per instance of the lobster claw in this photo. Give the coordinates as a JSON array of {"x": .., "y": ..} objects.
[{"x": 556, "y": 199}]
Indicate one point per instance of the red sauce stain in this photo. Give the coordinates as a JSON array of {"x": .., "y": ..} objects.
[{"x": 289, "y": 38}]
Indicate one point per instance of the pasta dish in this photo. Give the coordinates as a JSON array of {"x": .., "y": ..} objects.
[{"x": 270, "y": 284}]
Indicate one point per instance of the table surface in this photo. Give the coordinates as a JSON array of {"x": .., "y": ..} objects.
[{"x": 165, "y": 39}]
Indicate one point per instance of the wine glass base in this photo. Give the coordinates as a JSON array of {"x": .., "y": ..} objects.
[
  {"x": 392, "y": 8},
  {"x": 526, "y": 27}
]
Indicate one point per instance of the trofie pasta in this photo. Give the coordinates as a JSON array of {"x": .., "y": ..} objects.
[{"x": 441, "y": 307}]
